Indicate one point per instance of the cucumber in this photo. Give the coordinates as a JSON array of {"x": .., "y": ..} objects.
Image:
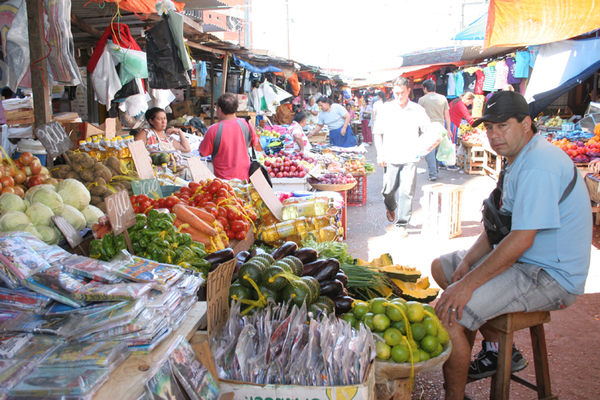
[
  {"x": 314, "y": 286},
  {"x": 251, "y": 270},
  {"x": 296, "y": 292},
  {"x": 299, "y": 265},
  {"x": 273, "y": 279}
]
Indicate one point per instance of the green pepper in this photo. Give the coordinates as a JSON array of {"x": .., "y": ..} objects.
[
  {"x": 137, "y": 248},
  {"x": 199, "y": 249},
  {"x": 95, "y": 246},
  {"x": 140, "y": 223},
  {"x": 152, "y": 215},
  {"x": 143, "y": 242},
  {"x": 120, "y": 243},
  {"x": 170, "y": 256},
  {"x": 151, "y": 232},
  {"x": 183, "y": 239},
  {"x": 154, "y": 252},
  {"x": 201, "y": 264},
  {"x": 159, "y": 242},
  {"x": 108, "y": 245},
  {"x": 136, "y": 236}
]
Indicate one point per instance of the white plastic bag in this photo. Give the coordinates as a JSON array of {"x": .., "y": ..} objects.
[
  {"x": 105, "y": 78},
  {"x": 446, "y": 152}
]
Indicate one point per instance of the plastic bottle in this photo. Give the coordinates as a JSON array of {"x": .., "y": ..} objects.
[
  {"x": 311, "y": 208},
  {"x": 298, "y": 228},
  {"x": 110, "y": 150},
  {"x": 88, "y": 145},
  {"x": 98, "y": 151},
  {"x": 123, "y": 143},
  {"x": 82, "y": 147}
]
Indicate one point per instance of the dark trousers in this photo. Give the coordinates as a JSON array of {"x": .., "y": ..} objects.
[{"x": 403, "y": 176}]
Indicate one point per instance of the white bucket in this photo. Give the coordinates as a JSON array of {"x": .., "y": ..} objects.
[{"x": 31, "y": 145}]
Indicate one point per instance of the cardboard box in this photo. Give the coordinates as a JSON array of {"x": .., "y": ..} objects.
[
  {"x": 183, "y": 108},
  {"x": 363, "y": 391}
]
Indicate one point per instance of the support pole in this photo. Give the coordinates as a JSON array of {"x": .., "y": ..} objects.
[
  {"x": 225, "y": 73},
  {"x": 42, "y": 110},
  {"x": 212, "y": 92}
]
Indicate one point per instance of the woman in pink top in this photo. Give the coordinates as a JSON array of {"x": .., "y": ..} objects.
[{"x": 458, "y": 111}]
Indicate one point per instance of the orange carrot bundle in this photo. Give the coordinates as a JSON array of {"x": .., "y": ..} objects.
[
  {"x": 186, "y": 216},
  {"x": 202, "y": 214}
]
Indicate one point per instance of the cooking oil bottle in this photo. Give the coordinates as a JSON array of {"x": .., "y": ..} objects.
[
  {"x": 98, "y": 151},
  {"x": 89, "y": 145},
  {"x": 82, "y": 147},
  {"x": 310, "y": 208},
  {"x": 123, "y": 143},
  {"x": 296, "y": 229},
  {"x": 111, "y": 151}
]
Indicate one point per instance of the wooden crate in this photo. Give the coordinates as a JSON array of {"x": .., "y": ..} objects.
[
  {"x": 442, "y": 210},
  {"x": 22, "y": 116}
]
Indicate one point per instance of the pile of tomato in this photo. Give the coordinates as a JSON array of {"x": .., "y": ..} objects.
[{"x": 142, "y": 204}]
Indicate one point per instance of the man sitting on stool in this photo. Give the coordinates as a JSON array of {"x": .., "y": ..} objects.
[{"x": 538, "y": 263}]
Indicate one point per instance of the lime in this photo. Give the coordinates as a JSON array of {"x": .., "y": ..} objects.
[
  {"x": 423, "y": 355},
  {"x": 416, "y": 353},
  {"x": 368, "y": 320},
  {"x": 381, "y": 322},
  {"x": 442, "y": 335},
  {"x": 349, "y": 318},
  {"x": 430, "y": 326},
  {"x": 415, "y": 312},
  {"x": 357, "y": 325},
  {"x": 393, "y": 311},
  {"x": 400, "y": 325},
  {"x": 377, "y": 306},
  {"x": 360, "y": 309},
  {"x": 383, "y": 350},
  {"x": 392, "y": 336},
  {"x": 437, "y": 351},
  {"x": 429, "y": 309},
  {"x": 429, "y": 344},
  {"x": 413, "y": 344},
  {"x": 400, "y": 353},
  {"x": 418, "y": 331}
]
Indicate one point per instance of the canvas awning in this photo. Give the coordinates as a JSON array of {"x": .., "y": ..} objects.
[
  {"x": 529, "y": 22},
  {"x": 475, "y": 30}
]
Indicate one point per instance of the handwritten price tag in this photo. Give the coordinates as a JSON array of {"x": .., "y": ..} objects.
[
  {"x": 120, "y": 211},
  {"x": 149, "y": 187},
  {"x": 54, "y": 138},
  {"x": 141, "y": 160},
  {"x": 67, "y": 230},
  {"x": 110, "y": 127},
  {"x": 199, "y": 170},
  {"x": 267, "y": 194},
  {"x": 217, "y": 296}
]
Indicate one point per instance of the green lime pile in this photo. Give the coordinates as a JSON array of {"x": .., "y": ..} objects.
[{"x": 407, "y": 328}]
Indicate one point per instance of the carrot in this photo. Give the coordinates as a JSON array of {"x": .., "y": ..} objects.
[
  {"x": 188, "y": 217},
  {"x": 202, "y": 214},
  {"x": 197, "y": 236}
]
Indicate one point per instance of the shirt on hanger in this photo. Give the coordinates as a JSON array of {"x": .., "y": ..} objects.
[
  {"x": 478, "y": 102},
  {"x": 501, "y": 75},
  {"x": 511, "y": 80},
  {"x": 470, "y": 81},
  {"x": 490, "y": 78},
  {"x": 460, "y": 83},
  {"x": 451, "y": 85},
  {"x": 441, "y": 83},
  {"x": 480, "y": 80},
  {"x": 522, "y": 64}
]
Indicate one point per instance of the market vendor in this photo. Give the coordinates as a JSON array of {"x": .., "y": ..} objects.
[
  {"x": 337, "y": 119},
  {"x": 459, "y": 110},
  {"x": 295, "y": 138},
  {"x": 157, "y": 137},
  {"x": 539, "y": 261},
  {"x": 312, "y": 111}
]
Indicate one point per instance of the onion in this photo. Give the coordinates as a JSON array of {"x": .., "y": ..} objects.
[
  {"x": 7, "y": 181},
  {"x": 8, "y": 189},
  {"x": 20, "y": 176},
  {"x": 26, "y": 158},
  {"x": 19, "y": 192},
  {"x": 36, "y": 167},
  {"x": 50, "y": 181}
]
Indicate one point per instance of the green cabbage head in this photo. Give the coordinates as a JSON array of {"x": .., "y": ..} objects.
[
  {"x": 74, "y": 217},
  {"x": 40, "y": 214},
  {"x": 12, "y": 219},
  {"x": 50, "y": 198},
  {"x": 74, "y": 193},
  {"x": 11, "y": 202}
]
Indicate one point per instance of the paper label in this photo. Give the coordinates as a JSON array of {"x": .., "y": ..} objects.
[
  {"x": 110, "y": 128},
  {"x": 67, "y": 230},
  {"x": 141, "y": 160},
  {"x": 267, "y": 194},
  {"x": 150, "y": 187},
  {"x": 120, "y": 211},
  {"x": 217, "y": 295},
  {"x": 199, "y": 170},
  {"x": 54, "y": 138}
]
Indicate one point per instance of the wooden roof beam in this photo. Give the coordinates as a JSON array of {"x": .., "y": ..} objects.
[
  {"x": 84, "y": 26},
  {"x": 205, "y": 48}
]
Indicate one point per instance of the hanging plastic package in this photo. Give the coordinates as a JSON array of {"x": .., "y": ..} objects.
[
  {"x": 129, "y": 89},
  {"x": 203, "y": 74},
  {"x": 165, "y": 70},
  {"x": 136, "y": 104},
  {"x": 17, "y": 46},
  {"x": 133, "y": 63},
  {"x": 176, "y": 26},
  {"x": 105, "y": 78},
  {"x": 58, "y": 34}
]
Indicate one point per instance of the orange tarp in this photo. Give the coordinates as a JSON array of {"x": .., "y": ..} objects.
[
  {"x": 528, "y": 22},
  {"x": 141, "y": 6}
]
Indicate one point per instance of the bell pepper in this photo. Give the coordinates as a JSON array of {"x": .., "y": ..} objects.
[
  {"x": 159, "y": 241},
  {"x": 151, "y": 232},
  {"x": 108, "y": 245},
  {"x": 140, "y": 223},
  {"x": 183, "y": 239},
  {"x": 156, "y": 253},
  {"x": 95, "y": 246},
  {"x": 120, "y": 243}
]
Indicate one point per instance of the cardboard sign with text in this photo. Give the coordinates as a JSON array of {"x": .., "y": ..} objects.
[
  {"x": 267, "y": 193},
  {"x": 141, "y": 160},
  {"x": 199, "y": 170},
  {"x": 54, "y": 138},
  {"x": 72, "y": 236},
  {"x": 217, "y": 295},
  {"x": 120, "y": 211},
  {"x": 110, "y": 128},
  {"x": 150, "y": 187}
]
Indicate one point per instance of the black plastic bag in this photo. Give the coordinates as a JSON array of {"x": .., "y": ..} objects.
[{"x": 165, "y": 69}]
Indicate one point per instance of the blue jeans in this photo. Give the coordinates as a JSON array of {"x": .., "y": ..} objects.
[
  {"x": 404, "y": 177},
  {"x": 521, "y": 288},
  {"x": 432, "y": 163}
]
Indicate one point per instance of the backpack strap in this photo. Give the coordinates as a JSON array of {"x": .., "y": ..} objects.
[
  {"x": 217, "y": 141},
  {"x": 245, "y": 132},
  {"x": 569, "y": 188}
]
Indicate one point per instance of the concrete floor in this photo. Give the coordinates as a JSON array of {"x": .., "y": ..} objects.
[{"x": 369, "y": 234}]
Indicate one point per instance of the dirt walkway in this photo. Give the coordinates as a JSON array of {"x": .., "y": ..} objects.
[{"x": 572, "y": 338}]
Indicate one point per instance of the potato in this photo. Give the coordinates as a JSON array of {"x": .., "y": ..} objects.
[
  {"x": 113, "y": 172},
  {"x": 95, "y": 200},
  {"x": 71, "y": 154},
  {"x": 118, "y": 187},
  {"x": 126, "y": 184},
  {"x": 86, "y": 161},
  {"x": 87, "y": 175},
  {"x": 114, "y": 163},
  {"x": 102, "y": 207},
  {"x": 99, "y": 181},
  {"x": 98, "y": 190},
  {"x": 72, "y": 175},
  {"x": 98, "y": 166},
  {"x": 78, "y": 157}
]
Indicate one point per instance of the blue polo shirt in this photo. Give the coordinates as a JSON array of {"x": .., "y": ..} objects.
[{"x": 334, "y": 119}]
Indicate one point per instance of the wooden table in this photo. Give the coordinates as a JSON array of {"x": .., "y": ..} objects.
[{"x": 127, "y": 381}]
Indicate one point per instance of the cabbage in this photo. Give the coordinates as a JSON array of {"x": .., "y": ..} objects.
[
  {"x": 40, "y": 214},
  {"x": 48, "y": 235},
  {"x": 74, "y": 193},
  {"x": 74, "y": 217},
  {"x": 31, "y": 192},
  {"x": 50, "y": 198},
  {"x": 12, "y": 219},
  {"x": 11, "y": 202},
  {"x": 92, "y": 215},
  {"x": 29, "y": 228}
]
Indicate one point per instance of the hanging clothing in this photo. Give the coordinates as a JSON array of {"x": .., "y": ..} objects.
[
  {"x": 441, "y": 83},
  {"x": 522, "y": 64},
  {"x": 490, "y": 78},
  {"x": 460, "y": 83},
  {"x": 451, "y": 85},
  {"x": 480, "y": 81},
  {"x": 477, "y": 110},
  {"x": 501, "y": 75},
  {"x": 470, "y": 81},
  {"x": 512, "y": 66}
]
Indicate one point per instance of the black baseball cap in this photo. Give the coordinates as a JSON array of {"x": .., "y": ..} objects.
[{"x": 502, "y": 106}]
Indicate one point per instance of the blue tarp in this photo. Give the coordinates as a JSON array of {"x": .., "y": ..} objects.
[
  {"x": 475, "y": 31},
  {"x": 253, "y": 68}
]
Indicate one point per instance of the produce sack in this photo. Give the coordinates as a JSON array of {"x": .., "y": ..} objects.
[
  {"x": 446, "y": 153},
  {"x": 165, "y": 69}
]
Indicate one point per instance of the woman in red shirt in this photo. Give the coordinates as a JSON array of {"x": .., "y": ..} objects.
[{"x": 459, "y": 110}]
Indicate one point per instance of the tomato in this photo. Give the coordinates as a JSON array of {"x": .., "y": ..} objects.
[
  {"x": 214, "y": 187},
  {"x": 210, "y": 204},
  {"x": 221, "y": 201},
  {"x": 185, "y": 197},
  {"x": 212, "y": 210},
  {"x": 237, "y": 226},
  {"x": 222, "y": 193},
  {"x": 230, "y": 234},
  {"x": 145, "y": 205},
  {"x": 133, "y": 199},
  {"x": 202, "y": 202},
  {"x": 194, "y": 186},
  {"x": 240, "y": 235},
  {"x": 136, "y": 209},
  {"x": 208, "y": 196},
  {"x": 223, "y": 221},
  {"x": 171, "y": 201},
  {"x": 161, "y": 202},
  {"x": 222, "y": 212},
  {"x": 232, "y": 214},
  {"x": 141, "y": 198},
  {"x": 220, "y": 182},
  {"x": 186, "y": 191}
]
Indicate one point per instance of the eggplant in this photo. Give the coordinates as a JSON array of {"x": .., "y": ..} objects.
[
  {"x": 345, "y": 292},
  {"x": 286, "y": 249},
  {"x": 306, "y": 255},
  {"x": 328, "y": 271},
  {"x": 220, "y": 256},
  {"x": 332, "y": 288},
  {"x": 214, "y": 266},
  {"x": 341, "y": 276},
  {"x": 343, "y": 304},
  {"x": 243, "y": 256},
  {"x": 313, "y": 267}
]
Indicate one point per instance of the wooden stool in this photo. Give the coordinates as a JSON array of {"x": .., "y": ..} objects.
[{"x": 506, "y": 325}]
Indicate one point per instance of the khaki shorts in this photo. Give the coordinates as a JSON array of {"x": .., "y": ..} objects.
[{"x": 521, "y": 288}]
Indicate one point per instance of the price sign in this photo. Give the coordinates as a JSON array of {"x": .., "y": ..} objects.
[
  {"x": 110, "y": 127},
  {"x": 73, "y": 238},
  {"x": 148, "y": 187},
  {"x": 141, "y": 159},
  {"x": 54, "y": 138},
  {"x": 267, "y": 193},
  {"x": 199, "y": 170},
  {"x": 217, "y": 295},
  {"x": 120, "y": 211}
]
